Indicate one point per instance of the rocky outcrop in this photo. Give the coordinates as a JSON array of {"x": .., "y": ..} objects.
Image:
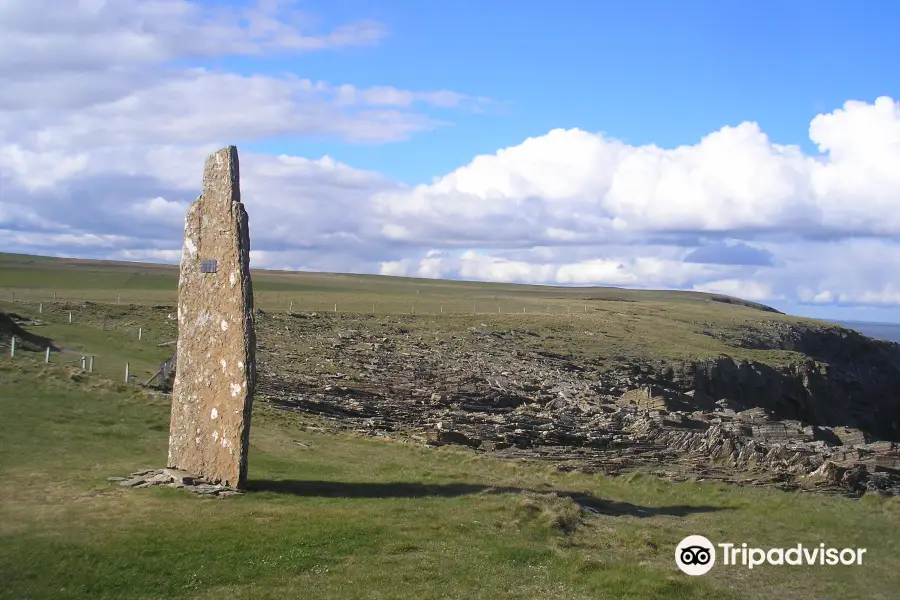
[
  {"x": 842, "y": 379},
  {"x": 482, "y": 389},
  {"x": 215, "y": 365}
]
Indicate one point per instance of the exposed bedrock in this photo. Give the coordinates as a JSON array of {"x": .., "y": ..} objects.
[{"x": 845, "y": 379}]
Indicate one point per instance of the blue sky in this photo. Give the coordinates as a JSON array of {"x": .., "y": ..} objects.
[
  {"x": 645, "y": 72},
  {"x": 644, "y": 144}
]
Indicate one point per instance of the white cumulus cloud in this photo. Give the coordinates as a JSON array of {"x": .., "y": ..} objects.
[
  {"x": 101, "y": 152},
  {"x": 572, "y": 185}
]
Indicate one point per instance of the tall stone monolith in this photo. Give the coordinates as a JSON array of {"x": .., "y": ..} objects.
[{"x": 215, "y": 370}]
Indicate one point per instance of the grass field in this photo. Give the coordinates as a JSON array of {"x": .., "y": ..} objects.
[
  {"x": 24, "y": 277},
  {"x": 337, "y": 515},
  {"x": 605, "y": 325}
]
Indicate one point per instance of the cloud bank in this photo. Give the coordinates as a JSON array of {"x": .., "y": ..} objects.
[{"x": 102, "y": 152}]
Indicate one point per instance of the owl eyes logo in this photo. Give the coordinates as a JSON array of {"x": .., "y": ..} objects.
[{"x": 695, "y": 555}]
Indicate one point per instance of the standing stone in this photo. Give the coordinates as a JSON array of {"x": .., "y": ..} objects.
[{"x": 215, "y": 370}]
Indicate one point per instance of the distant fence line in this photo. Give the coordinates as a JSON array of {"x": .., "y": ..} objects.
[
  {"x": 87, "y": 361},
  {"x": 284, "y": 302},
  {"x": 52, "y": 301}
]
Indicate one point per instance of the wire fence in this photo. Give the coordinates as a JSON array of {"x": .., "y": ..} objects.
[
  {"x": 449, "y": 307},
  {"x": 27, "y": 344},
  {"x": 57, "y": 308},
  {"x": 85, "y": 360},
  {"x": 350, "y": 302}
]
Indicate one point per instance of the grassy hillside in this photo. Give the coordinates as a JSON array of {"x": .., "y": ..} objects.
[
  {"x": 334, "y": 514},
  {"x": 26, "y": 277},
  {"x": 604, "y": 324}
]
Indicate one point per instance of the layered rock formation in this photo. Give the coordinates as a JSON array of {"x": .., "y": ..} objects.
[{"x": 712, "y": 418}]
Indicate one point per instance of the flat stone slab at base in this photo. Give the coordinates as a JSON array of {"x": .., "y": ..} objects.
[{"x": 174, "y": 478}]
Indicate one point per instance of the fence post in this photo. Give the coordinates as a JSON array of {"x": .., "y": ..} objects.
[
  {"x": 140, "y": 333},
  {"x": 127, "y": 374},
  {"x": 91, "y": 365},
  {"x": 335, "y": 308},
  {"x": 442, "y": 309},
  {"x": 54, "y": 296},
  {"x": 373, "y": 309},
  {"x": 83, "y": 363},
  {"x": 12, "y": 347},
  {"x": 41, "y": 308},
  {"x": 498, "y": 310},
  {"x": 70, "y": 316},
  {"x": 291, "y": 309},
  {"x": 47, "y": 355}
]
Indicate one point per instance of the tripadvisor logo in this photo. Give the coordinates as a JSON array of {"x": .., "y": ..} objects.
[{"x": 696, "y": 555}]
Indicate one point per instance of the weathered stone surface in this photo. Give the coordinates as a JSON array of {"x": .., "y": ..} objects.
[
  {"x": 654, "y": 398},
  {"x": 179, "y": 477},
  {"x": 174, "y": 478},
  {"x": 132, "y": 482},
  {"x": 489, "y": 390},
  {"x": 850, "y": 436},
  {"x": 645, "y": 398},
  {"x": 438, "y": 437},
  {"x": 212, "y": 392}
]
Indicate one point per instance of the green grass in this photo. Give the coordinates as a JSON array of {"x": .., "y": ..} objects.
[
  {"x": 600, "y": 325},
  {"x": 332, "y": 515},
  {"x": 616, "y": 333},
  {"x": 38, "y": 278},
  {"x": 357, "y": 517},
  {"x": 109, "y": 333}
]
